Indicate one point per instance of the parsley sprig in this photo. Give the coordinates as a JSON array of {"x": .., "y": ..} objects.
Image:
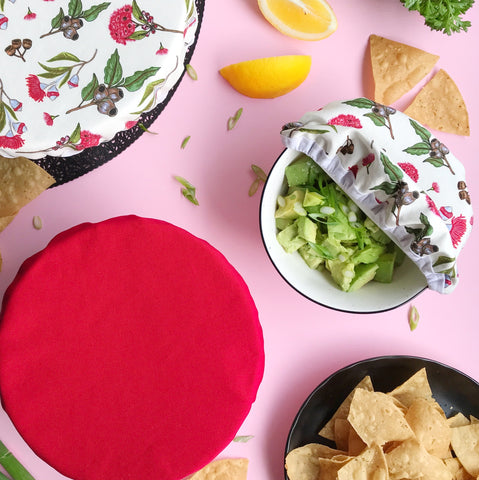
[{"x": 442, "y": 15}]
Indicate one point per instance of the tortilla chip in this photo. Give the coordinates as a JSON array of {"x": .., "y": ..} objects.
[
  {"x": 224, "y": 469},
  {"x": 21, "y": 180},
  {"x": 329, "y": 467},
  {"x": 5, "y": 221},
  {"x": 369, "y": 465},
  {"x": 440, "y": 106},
  {"x": 411, "y": 460},
  {"x": 342, "y": 412},
  {"x": 355, "y": 444},
  {"x": 430, "y": 426},
  {"x": 473, "y": 419},
  {"x": 397, "y": 68},
  {"x": 302, "y": 463},
  {"x": 341, "y": 433},
  {"x": 416, "y": 386},
  {"x": 457, "y": 470},
  {"x": 458, "y": 420},
  {"x": 377, "y": 419},
  {"x": 465, "y": 443}
]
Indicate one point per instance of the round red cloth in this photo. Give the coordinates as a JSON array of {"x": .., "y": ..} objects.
[{"x": 130, "y": 349}]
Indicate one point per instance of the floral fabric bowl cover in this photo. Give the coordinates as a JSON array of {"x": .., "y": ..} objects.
[
  {"x": 403, "y": 177},
  {"x": 75, "y": 72}
]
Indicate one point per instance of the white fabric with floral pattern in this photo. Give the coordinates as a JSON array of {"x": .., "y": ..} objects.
[
  {"x": 76, "y": 72},
  {"x": 403, "y": 177}
]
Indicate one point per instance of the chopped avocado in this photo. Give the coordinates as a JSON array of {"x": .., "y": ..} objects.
[
  {"x": 342, "y": 272},
  {"x": 310, "y": 256},
  {"x": 317, "y": 219},
  {"x": 293, "y": 205},
  {"x": 364, "y": 274},
  {"x": 368, "y": 254},
  {"x": 400, "y": 256},
  {"x": 307, "y": 229},
  {"x": 312, "y": 199},
  {"x": 384, "y": 273},
  {"x": 303, "y": 171},
  {"x": 289, "y": 239},
  {"x": 282, "y": 223},
  {"x": 376, "y": 233}
]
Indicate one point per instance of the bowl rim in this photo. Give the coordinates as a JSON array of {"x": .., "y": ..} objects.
[{"x": 338, "y": 309}]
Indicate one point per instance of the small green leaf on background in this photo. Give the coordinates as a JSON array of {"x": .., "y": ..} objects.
[
  {"x": 243, "y": 438},
  {"x": 140, "y": 125},
  {"x": 232, "y": 121},
  {"x": 191, "y": 72},
  {"x": 189, "y": 191},
  {"x": 413, "y": 317},
  {"x": 185, "y": 141}
]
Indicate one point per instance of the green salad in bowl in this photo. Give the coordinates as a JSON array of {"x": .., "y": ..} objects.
[{"x": 315, "y": 218}]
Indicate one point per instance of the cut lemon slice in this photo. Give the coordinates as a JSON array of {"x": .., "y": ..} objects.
[
  {"x": 268, "y": 77},
  {"x": 302, "y": 19}
]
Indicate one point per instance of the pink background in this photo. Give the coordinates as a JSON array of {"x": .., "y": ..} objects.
[{"x": 304, "y": 342}]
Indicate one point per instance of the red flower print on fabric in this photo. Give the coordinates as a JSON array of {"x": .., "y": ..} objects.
[
  {"x": 432, "y": 206},
  {"x": 14, "y": 142},
  {"x": 410, "y": 170},
  {"x": 88, "y": 139},
  {"x": 346, "y": 121},
  {"x": 34, "y": 88},
  {"x": 354, "y": 169},
  {"x": 121, "y": 25},
  {"x": 458, "y": 229}
]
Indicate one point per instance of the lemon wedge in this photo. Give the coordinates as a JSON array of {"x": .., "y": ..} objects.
[
  {"x": 301, "y": 19},
  {"x": 268, "y": 77}
]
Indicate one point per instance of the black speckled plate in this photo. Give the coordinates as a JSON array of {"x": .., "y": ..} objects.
[
  {"x": 453, "y": 390},
  {"x": 67, "y": 169}
]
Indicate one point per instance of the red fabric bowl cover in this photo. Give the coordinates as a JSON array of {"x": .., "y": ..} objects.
[{"x": 129, "y": 349}]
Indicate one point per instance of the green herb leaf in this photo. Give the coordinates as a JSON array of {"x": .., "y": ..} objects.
[
  {"x": 232, "y": 121},
  {"x": 13, "y": 467},
  {"x": 442, "y": 15},
  {"x": 243, "y": 438},
  {"x": 185, "y": 141},
  {"x": 413, "y": 317},
  {"x": 259, "y": 172},
  {"x": 254, "y": 187},
  {"x": 93, "y": 12},
  {"x": 191, "y": 72},
  {"x": 140, "y": 125},
  {"x": 189, "y": 192}
]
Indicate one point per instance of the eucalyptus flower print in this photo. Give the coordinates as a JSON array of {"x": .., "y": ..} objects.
[
  {"x": 435, "y": 151},
  {"x": 69, "y": 24},
  {"x": 18, "y": 48},
  {"x": 68, "y": 73},
  {"x": 379, "y": 114},
  {"x": 105, "y": 95},
  {"x": 11, "y": 128}
]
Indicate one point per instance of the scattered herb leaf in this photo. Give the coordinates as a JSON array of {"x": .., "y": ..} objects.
[
  {"x": 260, "y": 178},
  {"x": 243, "y": 438},
  {"x": 413, "y": 317},
  {"x": 185, "y": 141},
  {"x": 37, "y": 222},
  {"x": 11, "y": 464},
  {"x": 191, "y": 72},
  {"x": 146, "y": 130},
  {"x": 259, "y": 172},
  {"x": 189, "y": 192},
  {"x": 232, "y": 121},
  {"x": 442, "y": 15},
  {"x": 254, "y": 187}
]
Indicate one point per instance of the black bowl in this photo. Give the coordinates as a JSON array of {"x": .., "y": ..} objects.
[{"x": 453, "y": 390}]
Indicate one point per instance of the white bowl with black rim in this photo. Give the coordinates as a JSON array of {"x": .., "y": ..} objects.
[{"x": 317, "y": 285}]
